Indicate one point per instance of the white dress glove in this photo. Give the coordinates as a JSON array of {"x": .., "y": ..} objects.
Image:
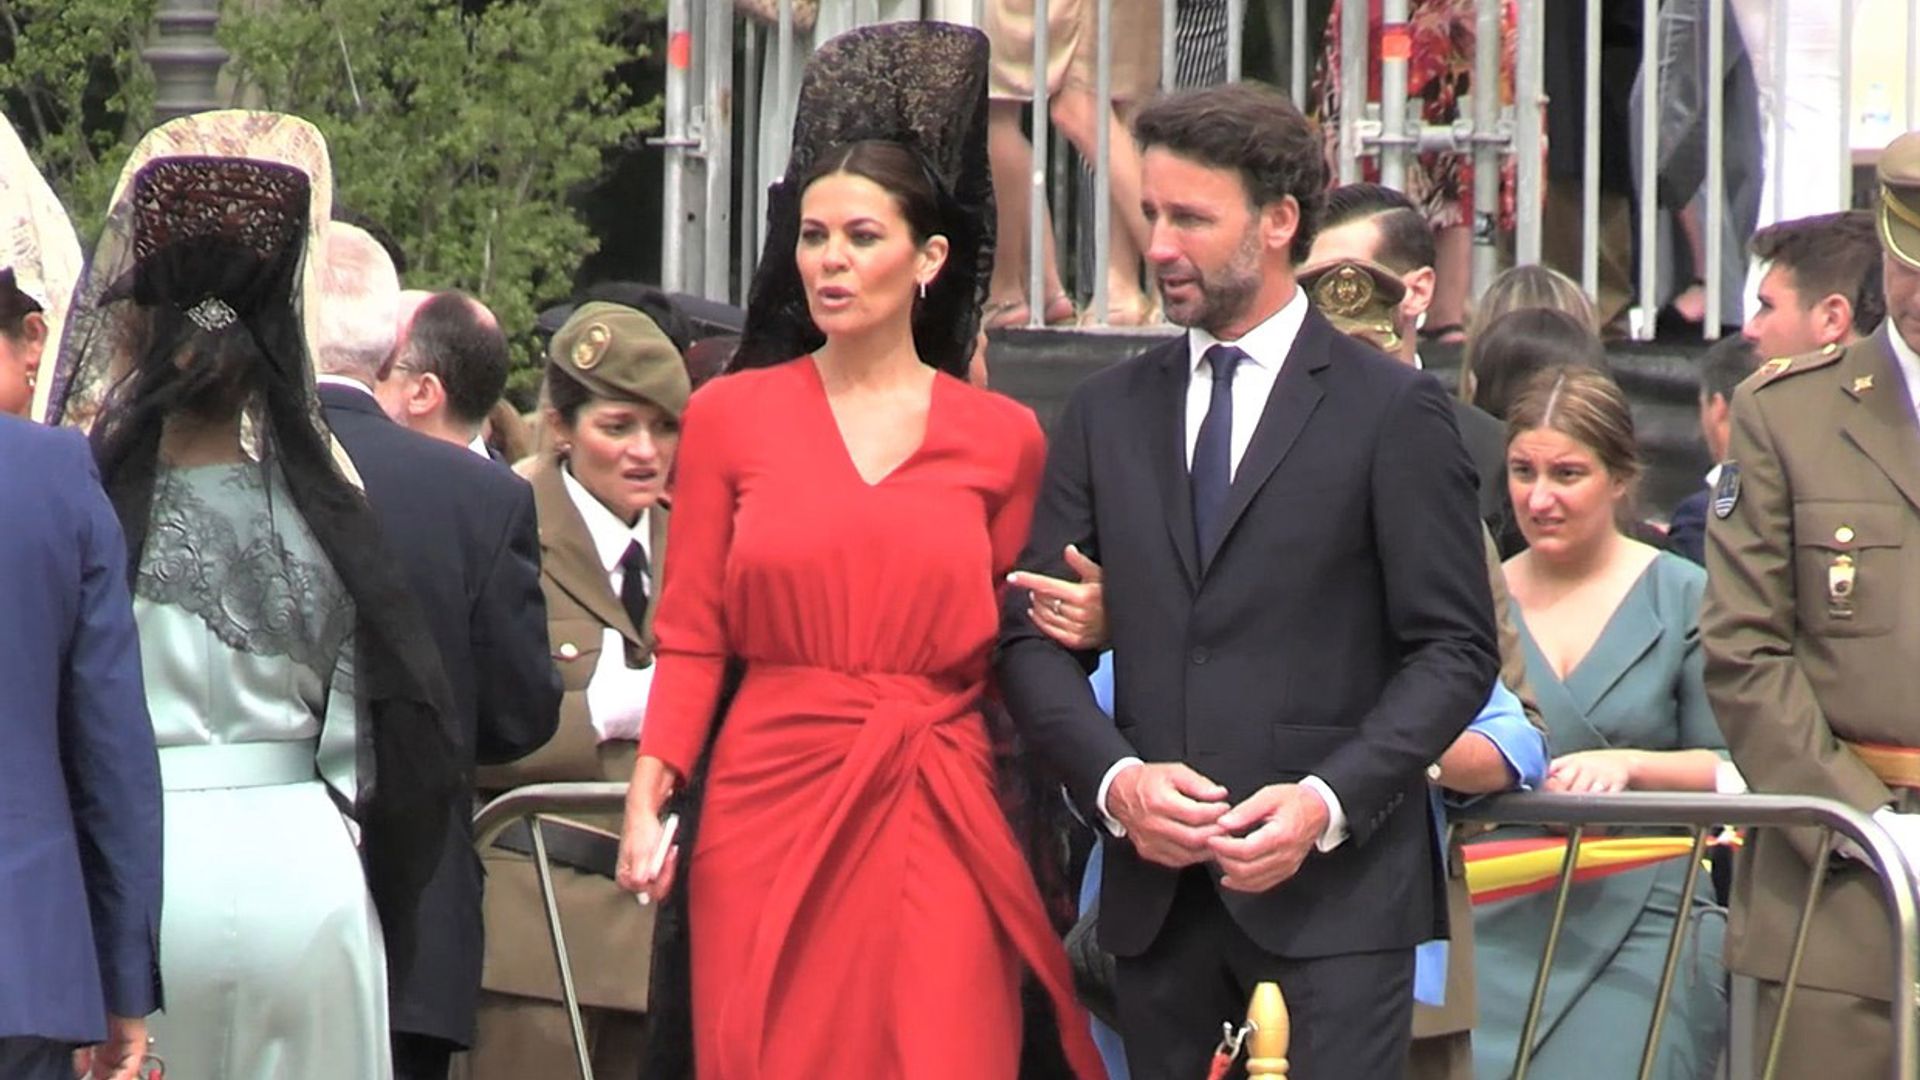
[{"x": 617, "y": 694}]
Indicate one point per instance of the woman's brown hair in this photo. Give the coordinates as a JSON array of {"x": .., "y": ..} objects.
[{"x": 1587, "y": 406}]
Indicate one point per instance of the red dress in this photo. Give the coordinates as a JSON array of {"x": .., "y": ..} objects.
[{"x": 859, "y": 907}]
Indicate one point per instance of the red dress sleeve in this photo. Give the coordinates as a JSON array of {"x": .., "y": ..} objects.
[
  {"x": 1014, "y": 516},
  {"x": 691, "y": 649}
]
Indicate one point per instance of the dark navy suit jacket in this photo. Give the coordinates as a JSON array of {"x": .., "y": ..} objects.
[
  {"x": 1687, "y": 531},
  {"x": 79, "y": 778},
  {"x": 463, "y": 529}
]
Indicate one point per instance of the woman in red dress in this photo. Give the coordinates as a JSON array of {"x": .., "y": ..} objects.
[{"x": 844, "y": 512}]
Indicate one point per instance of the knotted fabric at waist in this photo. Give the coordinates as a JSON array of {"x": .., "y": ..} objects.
[
  {"x": 914, "y": 700},
  {"x": 1896, "y": 766},
  {"x": 238, "y": 765}
]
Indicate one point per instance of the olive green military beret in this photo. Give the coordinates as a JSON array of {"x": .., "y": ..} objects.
[{"x": 617, "y": 352}]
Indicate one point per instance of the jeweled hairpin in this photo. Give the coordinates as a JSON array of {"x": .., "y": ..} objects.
[{"x": 213, "y": 314}]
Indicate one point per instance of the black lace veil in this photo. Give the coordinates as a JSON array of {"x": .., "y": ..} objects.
[
  {"x": 920, "y": 84},
  {"x": 193, "y": 306}
]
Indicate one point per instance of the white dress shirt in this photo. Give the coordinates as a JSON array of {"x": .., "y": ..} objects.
[
  {"x": 1266, "y": 347},
  {"x": 479, "y": 446},
  {"x": 616, "y": 695}
]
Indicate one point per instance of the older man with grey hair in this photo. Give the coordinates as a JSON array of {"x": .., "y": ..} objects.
[{"x": 465, "y": 532}]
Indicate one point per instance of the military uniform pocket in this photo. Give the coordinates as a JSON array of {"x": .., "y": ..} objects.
[{"x": 1846, "y": 564}]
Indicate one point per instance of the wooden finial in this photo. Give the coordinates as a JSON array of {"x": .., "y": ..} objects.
[{"x": 1272, "y": 1032}]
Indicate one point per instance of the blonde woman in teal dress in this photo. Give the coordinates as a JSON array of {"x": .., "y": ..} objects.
[
  {"x": 295, "y": 709},
  {"x": 1610, "y": 628}
]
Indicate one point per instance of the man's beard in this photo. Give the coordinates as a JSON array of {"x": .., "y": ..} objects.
[{"x": 1223, "y": 300}]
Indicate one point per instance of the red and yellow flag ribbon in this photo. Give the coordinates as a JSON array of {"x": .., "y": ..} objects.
[{"x": 1503, "y": 869}]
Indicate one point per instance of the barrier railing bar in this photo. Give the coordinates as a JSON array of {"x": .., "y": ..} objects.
[
  {"x": 1846, "y": 104},
  {"x": 1561, "y": 891},
  {"x": 1354, "y": 57},
  {"x": 1528, "y": 98},
  {"x": 750, "y": 100},
  {"x": 1777, "y": 168},
  {"x": 716, "y": 150},
  {"x": 1037, "y": 206},
  {"x": 1672, "y": 966},
  {"x": 1394, "y": 122},
  {"x": 1649, "y": 165},
  {"x": 1487, "y": 143},
  {"x": 1102, "y": 155},
  {"x": 1716, "y": 216},
  {"x": 1298, "y": 44},
  {"x": 1913, "y": 65},
  {"x": 1800, "y": 934},
  {"x": 1169, "y": 34},
  {"x": 1590, "y": 157},
  {"x": 544, "y": 872},
  {"x": 1236, "y": 37},
  {"x": 1877, "y": 850}
]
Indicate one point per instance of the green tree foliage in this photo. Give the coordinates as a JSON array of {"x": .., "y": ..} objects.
[
  {"x": 461, "y": 129},
  {"x": 72, "y": 84}
]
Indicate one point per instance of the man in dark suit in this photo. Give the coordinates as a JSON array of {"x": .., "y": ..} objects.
[
  {"x": 1376, "y": 224},
  {"x": 449, "y": 368},
  {"x": 1297, "y": 598},
  {"x": 464, "y": 529},
  {"x": 79, "y": 778},
  {"x": 1725, "y": 366}
]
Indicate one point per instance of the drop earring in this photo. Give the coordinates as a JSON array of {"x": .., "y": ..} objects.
[{"x": 923, "y": 290}]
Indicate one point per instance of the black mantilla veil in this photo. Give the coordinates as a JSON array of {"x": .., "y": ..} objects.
[
  {"x": 193, "y": 306},
  {"x": 922, "y": 85}
]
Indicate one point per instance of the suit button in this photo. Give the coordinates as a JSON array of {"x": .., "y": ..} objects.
[{"x": 1200, "y": 656}]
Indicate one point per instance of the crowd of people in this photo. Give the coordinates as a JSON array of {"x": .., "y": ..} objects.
[{"x": 291, "y": 595}]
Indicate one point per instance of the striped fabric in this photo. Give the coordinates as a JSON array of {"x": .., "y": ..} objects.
[{"x": 1200, "y": 44}]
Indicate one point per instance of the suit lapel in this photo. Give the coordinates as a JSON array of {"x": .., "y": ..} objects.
[
  {"x": 1164, "y": 419},
  {"x": 567, "y": 555},
  {"x": 1296, "y": 393},
  {"x": 1883, "y": 424}
]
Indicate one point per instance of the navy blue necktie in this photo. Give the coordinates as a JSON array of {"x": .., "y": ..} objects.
[
  {"x": 633, "y": 585},
  {"x": 1213, "y": 451}
]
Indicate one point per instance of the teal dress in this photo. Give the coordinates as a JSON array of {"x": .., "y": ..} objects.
[
  {"x": 269, "y": 945},
  {"x": 1639, "y": 686}
]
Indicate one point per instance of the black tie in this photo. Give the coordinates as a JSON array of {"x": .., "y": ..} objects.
[
  {"x": 633, "y": 585},
  {"x": 1213, "y": 451}
]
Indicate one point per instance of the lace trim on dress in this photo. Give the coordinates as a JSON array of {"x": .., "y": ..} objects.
[{"x": 230, "y": 566}]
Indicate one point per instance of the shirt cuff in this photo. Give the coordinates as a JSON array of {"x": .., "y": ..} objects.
[
  {"x": 1727, "y": 779},
  {"x": 1100, "y": 796},
  {"x": 1336, "y": 831}
]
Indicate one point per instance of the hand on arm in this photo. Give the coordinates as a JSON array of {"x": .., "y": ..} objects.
[{"x": 1071, "y": 613}]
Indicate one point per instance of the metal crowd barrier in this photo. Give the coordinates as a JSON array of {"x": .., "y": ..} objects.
[
  {"x": 1577, "y": 813},
  {"x": 701, "y": 112},
  {"x": 526, "y": 804},
  {"x": 1697, "y": 813}
]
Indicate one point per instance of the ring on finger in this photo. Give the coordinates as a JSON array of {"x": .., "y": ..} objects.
[{"x": 1058, "y": 606}]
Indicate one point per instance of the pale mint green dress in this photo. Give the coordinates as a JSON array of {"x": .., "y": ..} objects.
[{"x": 269, "y": 945}]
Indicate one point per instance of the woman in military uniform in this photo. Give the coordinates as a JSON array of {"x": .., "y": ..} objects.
[{"x": 615, "y": 389}]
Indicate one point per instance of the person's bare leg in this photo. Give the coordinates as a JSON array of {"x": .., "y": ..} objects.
[
  {"x": 1452, "y": 274},
  {"x": 1075, "y": 112},
  {"x": 1691, "y": 302},
  {"x": 1011, "y": 156}
]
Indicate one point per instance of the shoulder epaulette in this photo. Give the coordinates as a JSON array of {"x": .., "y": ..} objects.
[{"x": 1781, "y": 367}]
